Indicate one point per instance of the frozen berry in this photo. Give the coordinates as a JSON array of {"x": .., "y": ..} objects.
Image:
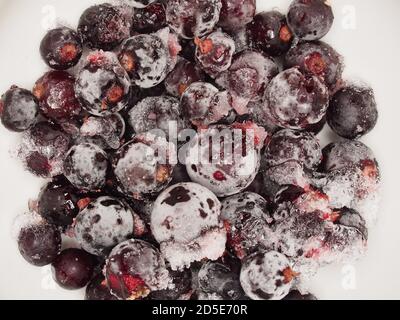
[
  {"x": 259, "y": 114},
  {"x": 235, "y": 14},
  {"x": 266, "y": 276},
  {"x": 140, "y": 3},
  {"x": 246, "y": 217},
  {"x": 149, "y": 19},
  {"x": 269, "y": 32},
  {"x": 318, "y": 59},
  {"x": 171, "y": 42},
  {"x": 184, "y": 74},
  {"x": 181, "y": 288},
  {"x": 104, "y": 223},
  {"x": 73, "y": 269},
  {"x": 293, "y": 145},
  {"x": 224, "y": 158},
  {"x": 43, "y": 149},
  {"x": 186, "y": 222},
  {"x": 102, "y": 85},
  {"x": 97, "y": 290},
  {"x": 351, "y": 218},
  {"x": 134, "y": 269},
  {"x": 144, "y": 57},
  {"x": 247, "y": 78},
  {"x": 217, "y": 281},
  {"x": 310, "y": 19},
  {"x": 61, "y": 48},
  {"x": 144, "y": 165},
  {"x": 352, "y": 112},
  {"x": 58, "y": 202},
  {"x": 39, "y": 243},
  {"x": 296, "y": 100},
  {"x": 214, "y": 52},
  {"x": 163, "y": 113},
  {"x": 56, "y": 95},
  {"x": 296, "y": 295},
  {"x": 291, "y": 172},
  {"x": 192, "y": 19},
  {"x": 19, "y": 109},
  {"x": 85, "y": 166},
  {"x": 108, "y": 131},
  {"x": 104, "y": 26},
  {"x": 338, "y": 155}
]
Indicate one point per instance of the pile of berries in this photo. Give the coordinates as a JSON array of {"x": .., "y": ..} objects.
[{"x": 135, "y": 128}]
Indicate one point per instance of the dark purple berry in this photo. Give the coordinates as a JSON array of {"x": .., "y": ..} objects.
[
  {"x": 39, "y": 243},
  {"x": 56, "y": 95},
  {"x": 85, "y": 166},
  {"x": 316, "y": 128},
  {"x": 318, "y": 59},
  {"x": 184, "y": 74},
  {"x": 43, "y": 149},
  {"x": 352, "y": 112},
  {"x": 61, "y": 48},
  {"x": 182, "y": 282},
  {"x": 102, "y": 85},
  {"x": 97, "y": 290},
  {"x": 288, "y": 145},
  {"x": 296, "y": 295},
  {"x": 58, "y": 202},
  {"x": 310, "y": 19},
  {"x": 104, "y": 26},
  {"x": 192, "y": 19},
  {"x": 269, "y": 32},
  {"x": 73, "y": 269},
  {"x": 149, "y": 19},
  {"x": 19, "y": 109},
  {"x": 235, "y": 14},
  {"x": 296, "y": 100}
]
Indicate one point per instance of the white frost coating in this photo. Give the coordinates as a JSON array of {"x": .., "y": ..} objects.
[
  {"x": 23, "y": 221},
  {"x": 289, "y": 173},
  {"x": 262, "y": 272},
  {"x": 171, "y": 42},
  {"x": 139, "y": 4}
]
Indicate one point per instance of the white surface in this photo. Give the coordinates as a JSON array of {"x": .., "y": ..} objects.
[{"x": 372, "y": 53}]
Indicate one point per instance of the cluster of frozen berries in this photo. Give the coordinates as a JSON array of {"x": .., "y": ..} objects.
[{"x": 149, "y": 228}]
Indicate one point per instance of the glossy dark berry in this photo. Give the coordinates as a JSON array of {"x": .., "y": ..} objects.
[
  {"x": 85, "y": 166},
  {"x": 97, "y": 290},
  {"x": 310, "y": 19},
  {"x": 102, "y": 85},
  {"x": 149, "y": 19},
  {"x": 352, "y": 112},
  {"x": 104, "y": 223},
  {"x": 73, "y": 269},
  {"x": 288, "y": 145},
  {"x": 214, "y": 52},
  {"x": 144, "y": 57},
  {"x": 182, "y": 287},
  {"x": 56, "y": 95},
  {"x": 61, "y": 48},
  {"x": 39, "y": 243},
  {"x": 269, "y": 32},
  {"x": 235, "y": 14},
  {"x": 43, "y": 149},
  {"x": 296, "y": 295},
  {"x": 184, "y": 74},
  {"x": 104, "y": 26},
  {"x": 58, "y": 202},
  {"x": 296, "y": 100},
  {"x": 318, "y": 59},
  {"x": 19, "y": 109},
  {"x": 192, "y": 19}
]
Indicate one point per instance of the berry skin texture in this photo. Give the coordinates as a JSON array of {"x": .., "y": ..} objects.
[
  {"x": 61, "y": 48},
  {"x": 97, "y": 290},
  {"x": 235, "y": 14},
  {"x": 318, "y": 59},
  {"x": 56, "y": 95},
  {"x": 86, "y": 167},
  {"x": 19, "y": 109},
  {"x": 58, "y": 202},
  {"x": 296, "y": 100},
  {"x": 310, "y": 19},
  {"x": 149, "y": 19},
  {"x": 73, "y": 269},
  {"x": 352, "y": 112},
  {"x": 269, "y": 32},
  {"x": 39, "y": 244},
  {"x": 104, "y": 26}
]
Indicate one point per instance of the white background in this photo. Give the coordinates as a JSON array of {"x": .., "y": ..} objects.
[{"x": 371, "y": 47}]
